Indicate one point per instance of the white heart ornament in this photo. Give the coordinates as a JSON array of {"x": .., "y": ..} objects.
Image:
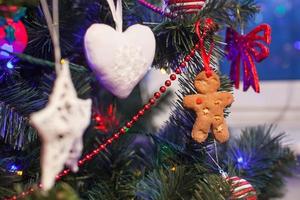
[{"x": 119, "y": 59}]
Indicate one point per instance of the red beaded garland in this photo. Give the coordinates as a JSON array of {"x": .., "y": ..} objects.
[
  {"x": 128, "y": 124},
  {"x": 141, "y": 112},
  {"x": 157, "y": 95},
  {"x": 192, "y": 54},
  {"x": 178, "y": 71},
  {"x": 135, "y": 118},
  {"x": 187, "y": 58},
  {"x": 147, "y": 107},
  {"x": 109, "y": 141},
  {"x": 80, "y": 163},
  {"x": 152, "y": 101},
  {"x": 162, "y": 89},
  {"x": 173, "y": 77},
  {"x": 116, "y": 136},
  {"x": 168, "y": 83},
  {"x": 122, "y": 130},
  {"x": 183, "y": 64}
]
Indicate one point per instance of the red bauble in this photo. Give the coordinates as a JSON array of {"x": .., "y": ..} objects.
[
  {"x": 241, "y": 189},
  {"x": 20, "y": 38},
  {"x": 186, "y": 6}
]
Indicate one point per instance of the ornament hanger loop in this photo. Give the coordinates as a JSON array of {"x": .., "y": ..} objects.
[
  {"x": 202, "y": 34},
  {"x": 116, "y": 13},
  {"x": 216, "y": 161},
  {"x": 53, "y": 26}
]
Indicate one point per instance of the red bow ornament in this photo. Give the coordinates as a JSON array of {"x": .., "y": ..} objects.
[{"x": 247, "y": 49}]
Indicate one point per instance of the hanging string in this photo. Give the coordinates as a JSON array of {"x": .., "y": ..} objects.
[
  {"x": 56, "y": 17},
  {"x": 116, "y": 12},
  {"x": 202, "y": 34},
  {"x": 216, "y": 151},
  {"x": 216, "y": 161},
  {"x": 53, "y": 29}
]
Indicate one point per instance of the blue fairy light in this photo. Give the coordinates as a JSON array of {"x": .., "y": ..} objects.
[
  {"x": 13, "y": 168},
  {"x": 10, "y": 65},
  {"x": 240, "y": 160},
  {"x": 297, "y": 45}
]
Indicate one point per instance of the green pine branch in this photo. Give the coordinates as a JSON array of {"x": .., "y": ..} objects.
[
  {"x": 182, "y": 182},
  {"x": 264, "y": 159},
  {"x": 17, "y": 102}
]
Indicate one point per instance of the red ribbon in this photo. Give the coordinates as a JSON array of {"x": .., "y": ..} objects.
[
  {"x": 247, "y": 49},
  {"x": 206, "y": 56}
]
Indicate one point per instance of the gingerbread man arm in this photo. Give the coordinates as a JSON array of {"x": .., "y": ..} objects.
[
  {"x": 227, "y": 98},
  {"x": 191, "y": 101}
]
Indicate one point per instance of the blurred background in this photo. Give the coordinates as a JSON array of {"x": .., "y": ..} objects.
[{"x": 279, "y": 100}]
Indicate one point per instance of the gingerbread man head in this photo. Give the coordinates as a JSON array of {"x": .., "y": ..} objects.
[{"x": 207, "y": 84}]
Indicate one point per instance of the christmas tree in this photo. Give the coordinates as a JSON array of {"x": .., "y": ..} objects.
[{"x": 101, "y": 128}]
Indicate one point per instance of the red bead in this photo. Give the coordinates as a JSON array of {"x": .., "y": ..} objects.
[
  {"x": 122, "y": 131},
  {"x": 187, "y": 58},
  {"x": 147, "y": 107},
  {"x": 65, "y": 171},
  {"x": 178, "y": 71},
  {"x": 141, "y": 112},
  {"x": 197, "y": 46},
  {"x": 162, "y": 89},
  {"x": 109, "y": 141},
  {"x": 168, "y": 83},
  {"x": 116, "y": 136},
  {"x": 96, "y": 151},
  {"x": 173, "y": 77},
  {"x": 88, "y": 157},
  {"x": 135, "y": 118},
  {"x": 92, "y": 154},
  {"x": 102, "y": 146},
  {"x": 192, "y": 54},
  {"x": 183, "y": 64},
  {"x": 152, "y": 101},
  {"x": 157, "y": 95},
  {"x": 80, "y": 162},
  {"x": 128, "y": 125}
]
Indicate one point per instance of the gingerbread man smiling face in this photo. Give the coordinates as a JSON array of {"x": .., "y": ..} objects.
[{"x": 209, "y": 106}]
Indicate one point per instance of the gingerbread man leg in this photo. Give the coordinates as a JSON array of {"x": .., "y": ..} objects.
[
  {"x": 220, "y": 129},
  {"x": 200, "y": 130}
]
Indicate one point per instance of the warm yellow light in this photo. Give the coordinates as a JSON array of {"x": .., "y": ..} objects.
[
  {"x": 19, "y": 173},
  {"x": 163, "y": 71},
  {"x": 62, "y": 61},
  {"x": 173, "y": 169}
]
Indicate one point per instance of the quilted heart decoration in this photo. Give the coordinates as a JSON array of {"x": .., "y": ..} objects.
[{"x": 119, "y": 59}]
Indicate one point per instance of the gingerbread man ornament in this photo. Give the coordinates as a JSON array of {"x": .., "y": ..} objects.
[{"x": 209, "y": 106}]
